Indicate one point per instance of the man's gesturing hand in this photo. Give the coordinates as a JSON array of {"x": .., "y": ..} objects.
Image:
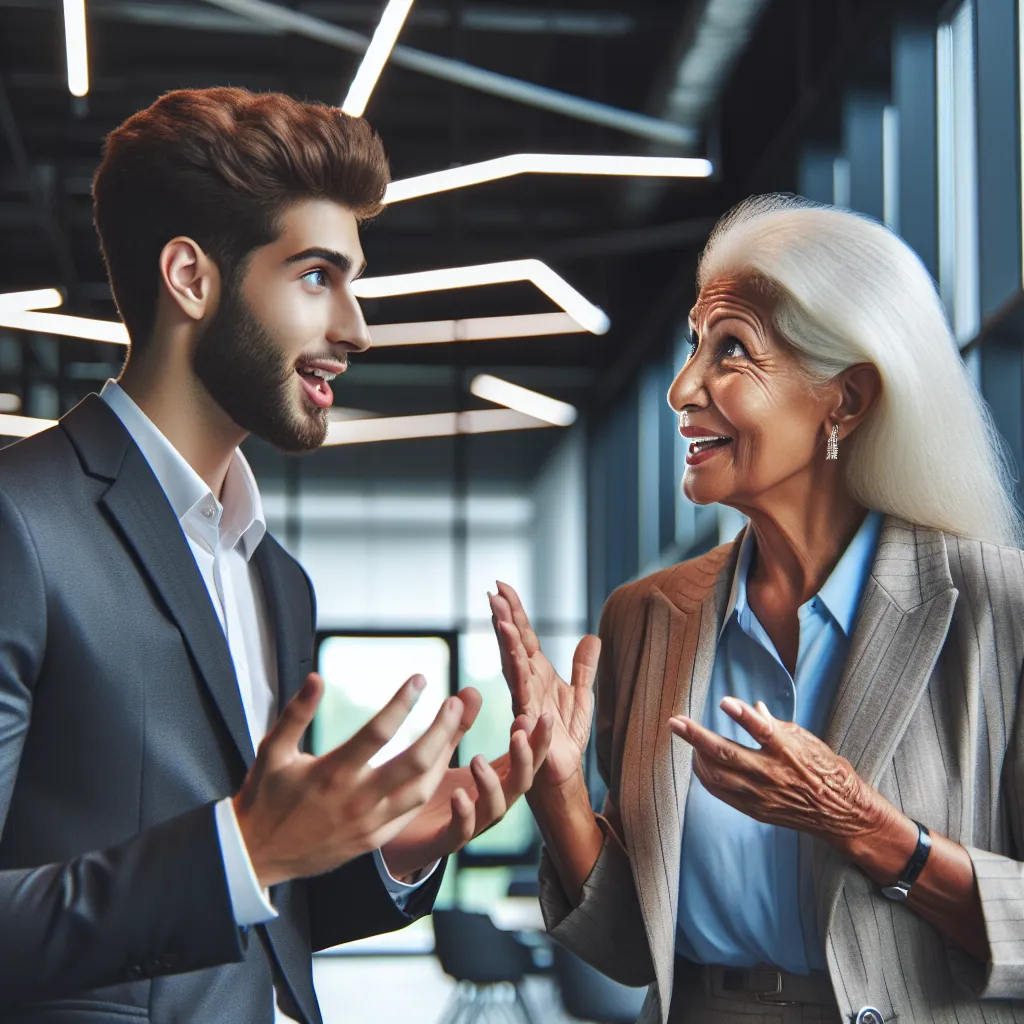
[{"x": 302, "y": 815}]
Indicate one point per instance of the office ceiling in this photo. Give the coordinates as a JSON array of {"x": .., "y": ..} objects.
[{"x": 628, "y": 246}]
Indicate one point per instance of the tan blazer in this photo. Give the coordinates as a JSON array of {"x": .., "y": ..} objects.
[{"x": 927, "y": 712}]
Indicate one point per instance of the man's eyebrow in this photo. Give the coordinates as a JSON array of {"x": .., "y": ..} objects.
[{"x": 332, "y": 256}]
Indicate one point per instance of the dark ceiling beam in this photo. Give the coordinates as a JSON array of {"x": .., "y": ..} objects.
[{"x": 40, "y": 198}]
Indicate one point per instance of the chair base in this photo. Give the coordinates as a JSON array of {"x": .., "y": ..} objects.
[{"x": 498, "y": 1003}]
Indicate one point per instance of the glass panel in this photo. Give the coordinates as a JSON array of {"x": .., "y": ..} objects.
[
  {"x": 958, "y": 172},
  {"x": 362, "y": 673},
  {"x": 480, "y": 667}
]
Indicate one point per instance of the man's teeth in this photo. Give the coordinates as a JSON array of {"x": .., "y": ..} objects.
[{"x": 322, "y": 374}]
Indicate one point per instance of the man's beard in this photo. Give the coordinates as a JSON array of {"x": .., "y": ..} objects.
[{"x": 242, "y": 368}]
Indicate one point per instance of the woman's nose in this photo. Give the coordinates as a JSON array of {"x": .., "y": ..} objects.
[{"x": 685, "y": 387}]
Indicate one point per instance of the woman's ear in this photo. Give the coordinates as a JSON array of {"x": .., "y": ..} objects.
[
  {"x": 189, "y": 278},
  {"x": 860, "y": 387}
]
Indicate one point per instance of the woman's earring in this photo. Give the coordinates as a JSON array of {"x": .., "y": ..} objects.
[{"x": 832, "y": 448}]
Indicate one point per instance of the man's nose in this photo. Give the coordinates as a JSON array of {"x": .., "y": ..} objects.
[{"x": 350, "y": 325}]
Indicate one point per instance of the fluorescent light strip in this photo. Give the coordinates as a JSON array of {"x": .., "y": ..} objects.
[
  {"x": 39, "y": 298},
  {"x": 111, "y": 331},
  {"x": 529, "y": 403},
  {"x": 483, "y": 328},
  {"x": 546, "y": 163},
  {"x": 77, "y": 50},
  {"x": 440, "y": 424},
  {"x": 584, "y": 312},
  {"x": 22, "y": 426},
  {"x": 376, "y": 57}
]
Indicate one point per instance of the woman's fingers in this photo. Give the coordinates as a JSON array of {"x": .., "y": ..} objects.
[
  {"x": 758, "y": 722},
  {"x": 490, "y": 800},
  {"x": 709, "y": 744},
  {"x": 520, "y": 618}
]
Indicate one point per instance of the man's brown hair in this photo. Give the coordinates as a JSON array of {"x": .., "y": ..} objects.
[{"x": 221, "y": 166}]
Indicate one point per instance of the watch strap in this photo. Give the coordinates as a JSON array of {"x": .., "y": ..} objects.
[{"x": 909, "y": 875}]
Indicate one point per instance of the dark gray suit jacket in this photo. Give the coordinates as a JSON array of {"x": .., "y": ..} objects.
[{"x": 121, "y": 725}]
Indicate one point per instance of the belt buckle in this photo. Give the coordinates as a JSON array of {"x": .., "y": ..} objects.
[{"x": 765, "y": 984}]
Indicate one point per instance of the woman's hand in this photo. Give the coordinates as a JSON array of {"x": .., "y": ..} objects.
[
  {"x": 538, "y": 690},
  {"x": 794, "y": 780}
]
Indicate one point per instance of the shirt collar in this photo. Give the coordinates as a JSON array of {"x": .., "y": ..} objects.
[
  {"x": 840, "y": 593},
  {"x": 241, "y": 514}
]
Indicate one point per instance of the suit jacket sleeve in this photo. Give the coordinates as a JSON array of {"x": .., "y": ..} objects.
[
  {"x": 155, "y": 904},
  {"x": 353, "y": 902},
  {"x": 1000, "y": 882},
  {"x": 607, "y": 928}
]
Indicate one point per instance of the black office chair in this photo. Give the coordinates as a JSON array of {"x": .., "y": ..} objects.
[
  {"x": 487, "y": 963},
  {"x": 589, "y": 995}
]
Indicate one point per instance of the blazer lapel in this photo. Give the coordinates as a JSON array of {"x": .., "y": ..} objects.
[
  {"x": 285, "y": 632},
  {"x": 140, "y": 510},
  {"x": 902, "y": 624},
  {"x": 680, "y": 638}
]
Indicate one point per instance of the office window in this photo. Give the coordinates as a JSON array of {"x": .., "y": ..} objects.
[
  {"x": 891, "y": 167},
  {"x": 958, "y": 172}
]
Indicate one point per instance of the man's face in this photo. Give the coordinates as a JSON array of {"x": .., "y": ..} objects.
[{"x": 280, "y": 334}]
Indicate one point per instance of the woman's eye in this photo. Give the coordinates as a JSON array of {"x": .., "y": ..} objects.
[
  {"x": 732, "y": 348},
  {"x": 691, "y": 348},
  {"x": 317, "y": 278}
]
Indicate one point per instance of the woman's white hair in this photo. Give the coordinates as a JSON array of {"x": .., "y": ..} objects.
[{"x": 847, "y": 290}]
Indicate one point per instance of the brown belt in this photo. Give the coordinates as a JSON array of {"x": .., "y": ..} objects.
[{"x": 755, "y": 984}]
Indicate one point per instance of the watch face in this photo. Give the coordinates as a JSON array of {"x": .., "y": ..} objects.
[{"x": 895, "y": 892}]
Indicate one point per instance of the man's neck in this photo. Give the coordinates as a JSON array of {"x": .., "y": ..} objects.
[{"x": 183, "y": 411}]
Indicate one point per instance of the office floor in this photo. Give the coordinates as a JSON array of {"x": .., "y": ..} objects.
[{"x": 404, "y": 990}]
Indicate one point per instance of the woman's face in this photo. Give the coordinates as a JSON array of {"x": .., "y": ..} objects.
[{"x": 743, "y": 389}]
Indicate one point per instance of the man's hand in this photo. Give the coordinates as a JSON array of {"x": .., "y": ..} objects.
[
  {"x": 301, "y": 815},
  {"x": 538, "y": 690},
  {"x": 470, "y": 800}
]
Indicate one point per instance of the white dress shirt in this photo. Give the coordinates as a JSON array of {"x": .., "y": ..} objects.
[{"x": 223, "y": 536}]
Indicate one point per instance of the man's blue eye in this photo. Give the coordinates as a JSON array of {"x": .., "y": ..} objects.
[{"x": 316, "y": 277}]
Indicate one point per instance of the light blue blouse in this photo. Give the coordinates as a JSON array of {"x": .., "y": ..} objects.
[{"x": 739, "y": 879}]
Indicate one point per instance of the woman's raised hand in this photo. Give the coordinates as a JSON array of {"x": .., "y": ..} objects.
[{"x": 536, "y": 688}]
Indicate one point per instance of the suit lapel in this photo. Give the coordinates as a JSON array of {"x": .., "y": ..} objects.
[
  {"x": 140, "y": 510},
  {"x": 680, "y": 637},
  {"x": 280, "y": 613},
  {"x": 902, "y": 624}
]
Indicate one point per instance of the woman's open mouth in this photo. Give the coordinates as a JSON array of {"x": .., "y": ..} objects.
[{"x": 703, "y": 448}]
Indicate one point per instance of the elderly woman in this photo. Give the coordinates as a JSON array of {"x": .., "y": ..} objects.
[{"x": 811, "y": 737}]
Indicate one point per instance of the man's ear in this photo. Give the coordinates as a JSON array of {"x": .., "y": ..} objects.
[
  {"x": 860, "y": 387},
  {"x": 190, "y": 279}
]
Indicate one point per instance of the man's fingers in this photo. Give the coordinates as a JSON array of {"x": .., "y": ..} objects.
[
  {"x": 584, "y": 662},
  {"x": 380, "y": 729},
  {"x": 521, "y": 768},
  {"x": 463, "y": 823},
  {"x": 285, "y": 735},
  {"x": 428, "y": 756},
  {"x": 518, "y": 665},
  {"x": 471, "y": 704},
  {"x": 520, "y": 618},
  {"x": 710, "y": 745}
]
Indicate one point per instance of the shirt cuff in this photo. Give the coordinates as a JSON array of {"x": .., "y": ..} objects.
[
  {"x": 249, "y": 903},
  {"x": 400, "y": 891}
]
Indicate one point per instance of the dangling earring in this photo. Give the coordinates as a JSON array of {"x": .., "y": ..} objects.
[{"x": 832, "y": 448}]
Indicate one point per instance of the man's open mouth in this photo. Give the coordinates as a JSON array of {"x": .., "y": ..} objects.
[{"x": 316, "y": 382}]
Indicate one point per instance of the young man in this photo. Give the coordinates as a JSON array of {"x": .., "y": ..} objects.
[{"x": 151, "y": 865}]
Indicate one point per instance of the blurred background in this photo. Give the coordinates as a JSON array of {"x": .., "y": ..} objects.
[{"x": 437, "y": 481}]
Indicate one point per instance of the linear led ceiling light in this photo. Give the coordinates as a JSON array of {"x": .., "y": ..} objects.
[
  {"x": 22, "y": 426},
  {"x": 584, "y": 312},
  {"x": 439, "y": 424},
  {"x": 376, "y": 57},
  {"x": 38, "y": 298},
  {"x": 77, "y": 50},
  {"x": 546, "y": 163},
  {"x": 112, "y": 331},
  {"x": 480, "y": 328},
  {"x": 529, "y": 403}
]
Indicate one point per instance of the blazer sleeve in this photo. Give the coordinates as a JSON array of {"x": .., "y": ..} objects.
[
  {"x": 607, "y": 928},
  {"x": 156, "y": 904},
  {"x": 1000, "y": 882},
  {"x": 352, "y": 902}
]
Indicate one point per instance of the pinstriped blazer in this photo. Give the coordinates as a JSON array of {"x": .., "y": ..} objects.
[{"x": 926, "y": 710}]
